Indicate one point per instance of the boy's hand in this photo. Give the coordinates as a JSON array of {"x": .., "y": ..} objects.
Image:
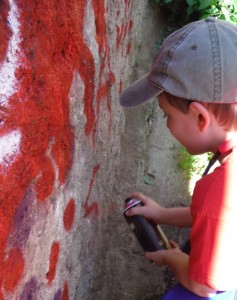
[
  {"x": 160, "y": 257},
  {"x": 178, "y": 216},
  {"x": 178, "y": 262},
  {"x": 151, "y": 210}
]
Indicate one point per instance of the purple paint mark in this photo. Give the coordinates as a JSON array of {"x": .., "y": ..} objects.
[
  {"x": 30, "y": 290},
  {"x": 57, "y": 296},
  {"x": 23, "y": 220}
]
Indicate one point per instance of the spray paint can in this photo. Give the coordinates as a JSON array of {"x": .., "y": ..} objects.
[{"x": 149, "y": 235}]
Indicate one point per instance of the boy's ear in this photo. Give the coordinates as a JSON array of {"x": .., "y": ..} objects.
[{"x": 201, "y": 115}]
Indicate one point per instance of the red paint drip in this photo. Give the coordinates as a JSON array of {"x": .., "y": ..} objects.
[
  {"x": 85, "y": 65},
  {"x": 128, "y": 49},
  {"x": 106, "y": 76},
  {"x": 120, "y": 35},
  {"x": 124, "y": 29},
  {"x": 5, "y": 31},
  {"x": 93, "y": 208},
  {"x": 14, "y": 268},
  {"x": 53, "y": 260},
  {"x": 69, "y": 215},
  {"x": 120, "y": 87},
  {"x": 127, "y": 5},
  {"x": 65, "y": 294}
]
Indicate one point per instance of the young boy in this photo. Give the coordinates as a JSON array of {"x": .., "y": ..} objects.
[{"x": 194, "y": 77}]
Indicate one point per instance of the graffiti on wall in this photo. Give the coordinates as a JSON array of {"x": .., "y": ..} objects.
[{"x": 41, "y": 44}]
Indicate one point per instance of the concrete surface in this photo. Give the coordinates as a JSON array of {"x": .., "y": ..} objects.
[{"x": 70, "y": 155}]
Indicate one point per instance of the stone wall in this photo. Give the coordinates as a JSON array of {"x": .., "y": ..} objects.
[{"x": 69, "y": 155}]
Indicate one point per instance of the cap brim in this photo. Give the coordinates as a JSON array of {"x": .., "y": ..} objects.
[{"x": 139, "y": 92}]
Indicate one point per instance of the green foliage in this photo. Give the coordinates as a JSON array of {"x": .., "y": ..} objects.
[
  {"x": 193, "y": 164},
  {"x": 180, "y": 12},
  {"x": 149, "y": 178}
]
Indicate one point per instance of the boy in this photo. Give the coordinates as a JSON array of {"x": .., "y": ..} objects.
[{"x": 194, "y": 77}]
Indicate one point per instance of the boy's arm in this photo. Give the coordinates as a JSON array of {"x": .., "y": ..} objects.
[
  {"x": 178, "y": 262},
  {"x": 178, "y": 216}
]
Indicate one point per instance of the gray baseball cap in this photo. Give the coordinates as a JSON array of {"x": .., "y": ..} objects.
[{"x": 196, "y": 62}]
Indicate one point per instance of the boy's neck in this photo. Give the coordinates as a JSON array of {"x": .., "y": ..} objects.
[{"x": 227, "y": 145}]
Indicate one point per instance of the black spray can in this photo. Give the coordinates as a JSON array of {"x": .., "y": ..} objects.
[{"x": 149, "y": 235}]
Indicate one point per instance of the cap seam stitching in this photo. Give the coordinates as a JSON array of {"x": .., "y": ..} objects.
[{"x": 216, "y": 58}]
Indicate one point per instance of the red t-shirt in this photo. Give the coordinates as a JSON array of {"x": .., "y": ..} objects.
[{"x": 213, "y": 256}]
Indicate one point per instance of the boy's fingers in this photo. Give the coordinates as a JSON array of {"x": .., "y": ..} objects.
[
  {"x": 141, "y": 197},
  {"x": 173, "y": 244},
  {"x": 156, "y": 256},
  {"x": 133, "y": 211},
  {"x": 150, "y": 255}
]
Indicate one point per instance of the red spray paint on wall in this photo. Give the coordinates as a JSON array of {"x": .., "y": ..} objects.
[
  {"x": 53, "y": 260},
  {"x": 69, "y": 215},
  {"x": 51, "y": 46},
  {"x": 106, "y": 76},
  {"x": 92, "y": 208},
  {"x": 13, "y": 269},
  {"x": 65, "y": 295}
]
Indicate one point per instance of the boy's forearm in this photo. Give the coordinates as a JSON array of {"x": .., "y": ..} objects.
[
  {"x": 178, "y": 262},
  {"x": 178, "y": 216}
]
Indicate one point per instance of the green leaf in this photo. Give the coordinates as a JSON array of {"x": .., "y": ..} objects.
[
  {"x": 190, "y": 10},
  {"x": 222, "y": 17},
  {"x": 204, "y": 4},
  {"x": 151, "y": 175},
  {"x": 147, "y": 180},
  {"x": 191, "y": 2},
  {"x": 233, "y": 19}
]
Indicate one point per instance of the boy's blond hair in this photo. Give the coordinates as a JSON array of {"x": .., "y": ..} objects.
[{"x": 225, "y": 113}]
